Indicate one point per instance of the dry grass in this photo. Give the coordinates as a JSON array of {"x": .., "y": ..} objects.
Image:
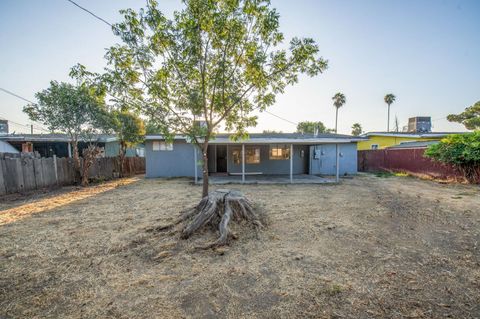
[{"x": 367, "y": 248}]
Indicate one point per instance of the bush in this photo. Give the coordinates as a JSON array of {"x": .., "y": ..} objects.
[{"x": 460, "y": 150}]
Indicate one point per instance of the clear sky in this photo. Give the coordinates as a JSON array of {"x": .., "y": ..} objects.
[{"x": 425, "y": 52}]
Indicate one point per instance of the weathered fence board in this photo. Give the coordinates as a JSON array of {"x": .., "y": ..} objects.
[
  {"x": 37, "y": 164},
  {"x": 28, "y": 173},
  {"x": 18, "y": 174}
]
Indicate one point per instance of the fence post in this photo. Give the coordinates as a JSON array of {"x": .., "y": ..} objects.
[{"x": 55, "y": 168}]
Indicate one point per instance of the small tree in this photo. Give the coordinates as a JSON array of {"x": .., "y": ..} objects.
[
  {"x": 71, "y": 109},
  {"x": 310, "y": 127},
  {"x": 389, "y": 99},
  {"x": 338, "y": 101},
  {"x": 215, "y": 61},
  {"x": 461, "y": 151},
  {"x": 129, "y": 129},
  {"x": 356, "y": 129},
  {"x": 470, "y": 117}
]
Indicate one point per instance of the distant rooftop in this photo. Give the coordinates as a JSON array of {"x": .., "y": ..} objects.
[
  {"x": 54, "y": 137},
  {"x": 411, "y": 134},
  {"x": 415, "y": 144}
]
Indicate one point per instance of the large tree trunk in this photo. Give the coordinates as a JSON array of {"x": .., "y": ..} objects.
[
  {"x": 121, "y": 156},
  {"x": 76, "y": 159},
  {"x": 205, "y": 169},
  {"x": 217, "y": 209}
]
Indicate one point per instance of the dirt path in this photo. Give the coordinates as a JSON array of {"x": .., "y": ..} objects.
[{"x": 368, "y": 248}]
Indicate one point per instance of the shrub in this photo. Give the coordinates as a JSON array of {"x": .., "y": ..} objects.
[{"x": 460, "y": 150}]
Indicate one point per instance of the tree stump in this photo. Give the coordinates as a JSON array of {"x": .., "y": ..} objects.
[{"x": 218, "y": 209}]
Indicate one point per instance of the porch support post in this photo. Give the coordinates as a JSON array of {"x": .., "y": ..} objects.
[
  {"x": 291, "y": 163},
  {"x": 337, "y": 165},
  {"x": 195, "y": 162},
  {"x": 69, "y": 146},
  {"x": 243, "y": 163}
]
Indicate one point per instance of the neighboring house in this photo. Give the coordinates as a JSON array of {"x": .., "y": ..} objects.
[
  {"x": 381, "y": 140},
  {"x": 48, "y": 145},
  {"x": 269, "y": 154}
]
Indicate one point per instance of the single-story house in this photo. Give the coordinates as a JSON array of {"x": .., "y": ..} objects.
[
  {"x": 48, "y": 145},
  {"x": 269, "y": 154},
  {"x": 381, "y": 140}
]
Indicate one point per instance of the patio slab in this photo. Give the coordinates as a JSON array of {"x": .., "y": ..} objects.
[{"x": 270, "y": 179}]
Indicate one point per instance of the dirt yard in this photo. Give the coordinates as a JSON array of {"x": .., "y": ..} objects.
[{"x": 370, "y": 247}]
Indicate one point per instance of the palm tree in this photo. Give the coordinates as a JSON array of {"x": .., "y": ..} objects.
[
  {"x": 338, "y": 101},
  {"x": 389, "y": 99}
]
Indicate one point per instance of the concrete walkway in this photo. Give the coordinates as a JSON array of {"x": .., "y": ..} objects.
[{"x": 270, "y": 179}]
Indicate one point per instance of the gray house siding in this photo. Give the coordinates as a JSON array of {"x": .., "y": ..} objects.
[
  {"x": 180, "y": 161},
  {"x": 325, "y": 164},
  {"x": 113, "y": 148},
  {"x": 176, "y": 163},
  {"x": 267, "y": 166}
]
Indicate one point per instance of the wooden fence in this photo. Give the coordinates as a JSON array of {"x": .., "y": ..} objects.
[
  {"x": 404, "y": 160},
  {"x": 20, "y": 174}
]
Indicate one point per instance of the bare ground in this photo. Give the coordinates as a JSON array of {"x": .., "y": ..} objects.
[{"x": 368, "y": 248}]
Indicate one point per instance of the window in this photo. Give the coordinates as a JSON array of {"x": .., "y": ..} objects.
[
  {"x": 279, "y": 152},
  {"x": 162, "y": 146},
  {"x": 374, "y": 146},
  {"x": 252, "y": 155}
]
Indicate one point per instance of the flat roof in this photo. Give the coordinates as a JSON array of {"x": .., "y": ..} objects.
[
  {"x": 411, "y": 134},
  {"x": 54, "y": 137},
  {"x": 275, "y": 138}
]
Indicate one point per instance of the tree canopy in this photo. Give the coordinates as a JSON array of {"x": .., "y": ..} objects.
[
  {"x": 68, "y": 108},
  {"x": 77, "y": 110},
  {"x": 339, "y": 100},
  {"x": 470, "y": 117},
  {"x": 389, "y": 99},
  {"x": 310, "y": 127},
  {"x": 214, "y": 61},
  {"x": 460, "y": 150},
  {"x": 356, "y": 129}
]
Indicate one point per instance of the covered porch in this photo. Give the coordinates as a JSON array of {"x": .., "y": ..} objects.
[{"x": 272, "y": 162}]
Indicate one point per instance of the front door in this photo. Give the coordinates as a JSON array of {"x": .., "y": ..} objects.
[{"x": 221, "y": 158}]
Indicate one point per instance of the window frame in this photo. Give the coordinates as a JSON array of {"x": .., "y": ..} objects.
[
  {"x": 162, "y": 146},
  {"x": 284, "y": 147},
  {"x": 237, "y": 155}
]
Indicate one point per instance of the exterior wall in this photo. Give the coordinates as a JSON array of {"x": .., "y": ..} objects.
[
  {"x": 176, "y": 163},
  {"x": 113, "y": 148},
  {"x": 325, "y": 164},
  {"x": 387, "y": 141},
  {"x": 267, "y": 166}
]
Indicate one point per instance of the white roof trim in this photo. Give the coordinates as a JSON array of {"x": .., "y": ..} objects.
[{"x": 271, "y": 140}]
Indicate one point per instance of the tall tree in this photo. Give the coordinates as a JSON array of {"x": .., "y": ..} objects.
[
  {"x": 389, "y": 99},
  {"x": 338, "y": 101},
  {"x": 214, "y": 61},
  {"x": 356, "y": 129},
  {"x": 470, "y": 118},
  {"x": 76, "y": 110},
  {"x": 311, "y": 127}
]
